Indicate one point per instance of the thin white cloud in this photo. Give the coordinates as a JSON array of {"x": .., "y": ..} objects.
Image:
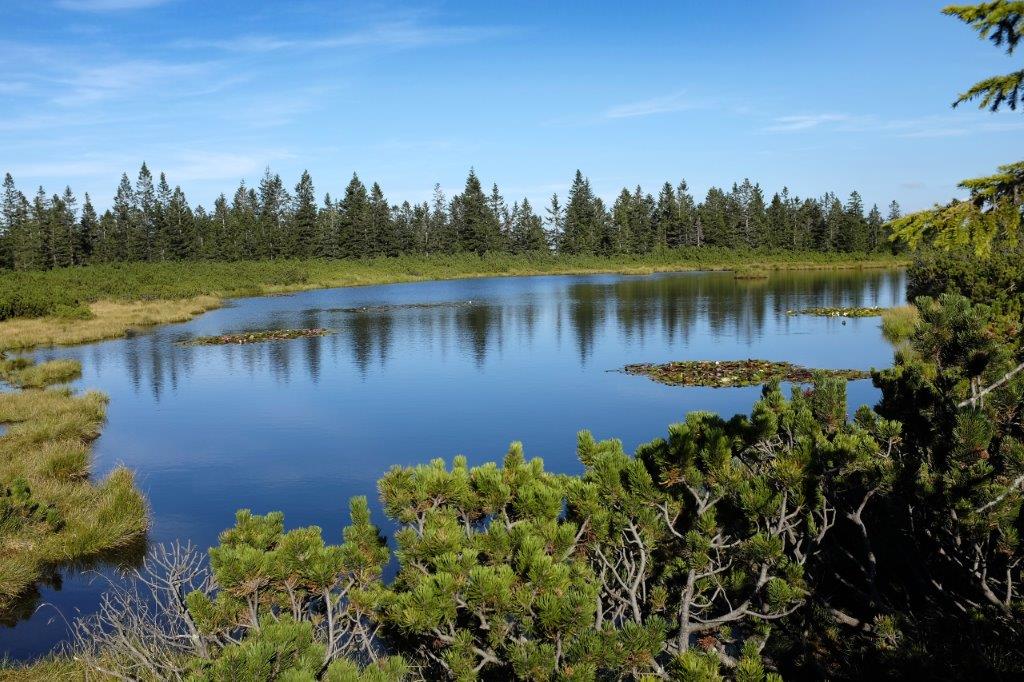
[
  {"x": 924, "y": 127},
  {"x": 656, "y": 105},
  {"x": 107, "y": 5},
  {"x": 95, "y": 83},
  {"x": 191, "y": 166},
  {"x": 784, "y": 124},
  {"x": 70, "y": 169},
  {"x": 398, "y": 35}
]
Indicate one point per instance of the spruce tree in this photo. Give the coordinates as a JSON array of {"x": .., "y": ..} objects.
[
  {"x": 556, "y": 222},
  {"x": 622, "y": 219},
  {"x": 271, "y": 239},
  {"x": 666, "y": 217},
  {"x": 88, "y": 232},
  {"x": 327, "y": 225},
  {"x": 300, "y": 242},
  {"x": 162, "y": 247},
  {"x": 145, "y": 216},
  {"x": 875, "y": 229},
  {"x": 63, "y": 229},
  {"x": 354, "y": 220},
  {"x": 13, "y": 215},
  {"x": 528, "y": 232},
  {"x": 125, "y": 243},
  {"x": 475, "y": 223},
  {"x": 180, "y": 227},
  {"x": 579, "y": 233},
  {"x": 444, "y": 237},
  {"x": 382, "y": 238}
]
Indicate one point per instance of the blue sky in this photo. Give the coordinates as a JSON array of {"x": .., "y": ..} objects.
[{"x": 816, "y": 96}]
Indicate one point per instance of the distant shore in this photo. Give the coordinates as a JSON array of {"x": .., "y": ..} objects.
[{"x": 84, "y": 304}]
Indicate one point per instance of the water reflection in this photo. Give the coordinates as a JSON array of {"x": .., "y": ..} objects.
[{"x": 669, "y": 308}]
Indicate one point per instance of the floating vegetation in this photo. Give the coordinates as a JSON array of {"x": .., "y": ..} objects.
[
  {"x": 721, "y": 374},
  {"x": 838, "y": 312},
  {"x": 256, "y": 337}
]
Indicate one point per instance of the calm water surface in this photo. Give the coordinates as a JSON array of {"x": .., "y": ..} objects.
[{"x": 417, "y": 371}]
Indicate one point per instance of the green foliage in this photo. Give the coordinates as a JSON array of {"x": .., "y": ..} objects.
[
  {"x": 153, "y": 222},
  {"x": 1002, "y": 22}
]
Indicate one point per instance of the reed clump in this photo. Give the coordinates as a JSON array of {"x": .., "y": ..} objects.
[{"x": 900, "y": 323}]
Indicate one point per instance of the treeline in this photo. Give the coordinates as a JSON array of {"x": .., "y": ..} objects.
[{"x": 150, "y": 221}]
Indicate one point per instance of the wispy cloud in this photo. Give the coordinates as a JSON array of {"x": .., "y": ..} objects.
[
  {"x": 655, "y": 105},
  {"x": 785, "y": 124},
  {"x": 107, "y": 5},
  {"x": 922, "y": 127},
  {"x": 403, "y": 34},
  {"x": 95, "y": 83},
  {"x": 205, "y": 165}
]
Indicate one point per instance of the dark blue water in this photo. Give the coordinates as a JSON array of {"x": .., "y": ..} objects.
[{"x": 422, "y": 371}]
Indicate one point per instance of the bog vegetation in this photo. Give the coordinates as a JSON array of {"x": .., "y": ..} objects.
[{"x": 51, "y": 513}]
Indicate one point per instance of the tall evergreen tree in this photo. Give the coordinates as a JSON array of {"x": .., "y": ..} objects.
[
  {"x": 383, "y": 241},
  {"x": 163, "y": 241},
  {"x": 528, "y": 232},
  {"x": 145, "y": 215},
  {"x": 125, "y": 242},
  {"x": 354, "y": 220},
  {"x": 475, "y": 223},
  {"x": 326, "y": 242},
  {"x": 579, "y": 233},
  {"x": 300, "y": 242},
  {"x": 271, "y": 239},
  {"x": 556, "y": 221},
  {"x": 13, "y": 214},
  {"x": 88, "y": 232}
]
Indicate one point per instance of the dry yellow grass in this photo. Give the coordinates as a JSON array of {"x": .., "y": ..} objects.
[{"x": 110, "y": 320}]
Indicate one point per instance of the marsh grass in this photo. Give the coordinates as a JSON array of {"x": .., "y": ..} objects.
[
  {"x": 899, "y": 324},
  {"x": 24, "y": 373},
  {"x": 46, "y": 448},
  {"x": 55, "y": 667},
  {"x": 751, "y": 273},
  {"x": 109, "y": 319},
  {"x": 77, "y": 305}
]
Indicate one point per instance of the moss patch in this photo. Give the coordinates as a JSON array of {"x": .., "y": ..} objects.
[
  {"x": 722, "y": 374},
  {"x": 256, "y": 337},
  {"x": 838, "y": 312}
]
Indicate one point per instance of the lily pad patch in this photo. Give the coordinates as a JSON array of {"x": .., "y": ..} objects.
[{"x": 727, "y": 373}]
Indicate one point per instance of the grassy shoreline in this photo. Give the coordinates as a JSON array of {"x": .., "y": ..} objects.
[
  {"x": 52, "y": 513},
  {"x": 79, "y": 305}
]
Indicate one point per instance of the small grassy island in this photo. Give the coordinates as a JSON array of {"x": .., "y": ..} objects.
[
  {"x": 256, "y": 337},
  {"x": 731, "y": 373},
  {"x": 51, "y": 513}
]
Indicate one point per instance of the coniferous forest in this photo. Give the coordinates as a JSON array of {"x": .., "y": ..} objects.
[{"x": 149, "y": 221}]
